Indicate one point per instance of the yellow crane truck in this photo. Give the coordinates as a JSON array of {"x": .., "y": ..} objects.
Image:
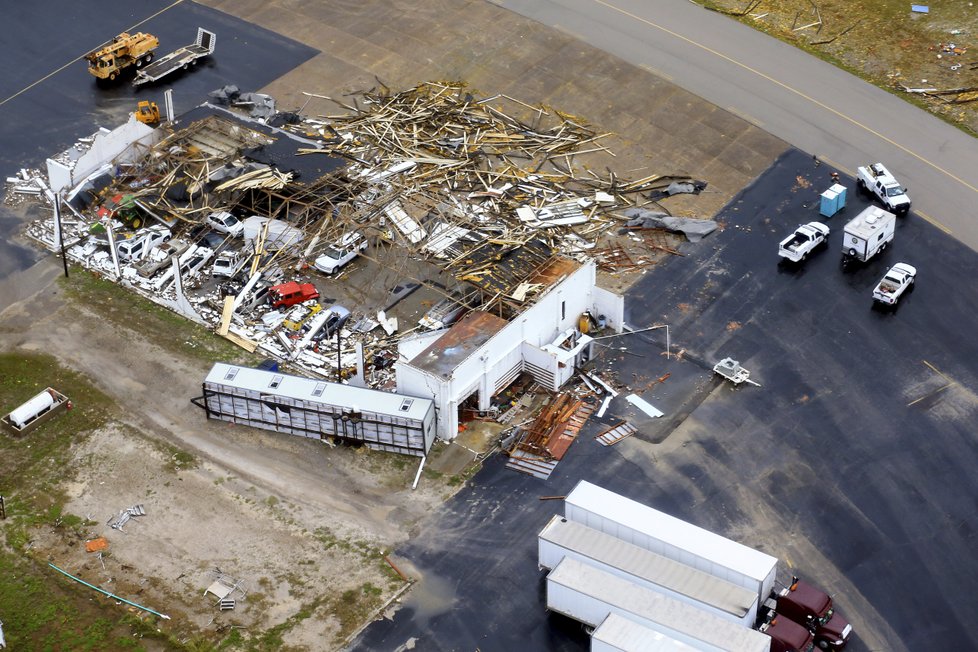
[{"x": 123, "y": 51}]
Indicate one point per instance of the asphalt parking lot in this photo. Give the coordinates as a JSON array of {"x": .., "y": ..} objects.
[
  {"x": 826, "y": 466},
  {"x": 54, "y": 110}
]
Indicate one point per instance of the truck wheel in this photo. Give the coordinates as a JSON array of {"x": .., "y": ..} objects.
[
  {"x": 804, "y": 256},
  {"x": 148, "y": 57},
  {"x": 111, "y": 76},
  {"x": 823, "y": 644},
  {"x": 139, "y": 63}
]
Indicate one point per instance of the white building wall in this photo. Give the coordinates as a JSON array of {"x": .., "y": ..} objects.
[
  {"x": 108, "y": 147},
  {"x": 610, "y": 305},
  {"x": 556, "y": 311}
]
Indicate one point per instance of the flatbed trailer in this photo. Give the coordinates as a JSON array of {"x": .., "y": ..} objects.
[{"x": 181, "y": 58}]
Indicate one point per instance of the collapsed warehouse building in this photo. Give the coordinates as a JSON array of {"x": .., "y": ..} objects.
[{"x": 242, "y": 206}]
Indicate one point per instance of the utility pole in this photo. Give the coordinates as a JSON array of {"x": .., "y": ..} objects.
[
  {"x": 3, "y": 510},
  {"x": 57, "y": 223}
]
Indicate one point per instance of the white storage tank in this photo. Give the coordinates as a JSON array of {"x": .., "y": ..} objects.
[
  {"x": 671, "y": 537},
  {"x": 32, "y": 409}
]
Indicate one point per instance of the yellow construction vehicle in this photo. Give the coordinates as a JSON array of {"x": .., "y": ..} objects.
[
  {"x": 123, "y": 51},
  {"x": 148, "y": 112}
]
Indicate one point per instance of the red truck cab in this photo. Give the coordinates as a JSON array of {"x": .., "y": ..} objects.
[
  {"x": 812, "y": 608},
  {"x": 291, "y": 293},
  {"x": 787, "y": 635}
]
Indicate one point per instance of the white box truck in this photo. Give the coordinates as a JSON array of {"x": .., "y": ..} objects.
[
  {"x": 618, "y": 634},
  {"x": 588, "y": 595},
  {"x": 867, "y": 234},
  {"x": 671, "y": 537},
  {"x": 562, "y": 538}
]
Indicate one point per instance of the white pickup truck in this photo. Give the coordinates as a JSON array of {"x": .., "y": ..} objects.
[
  {"x": 875, "y": 178},
  {"x": 897, "y": 280},
  {"x": 806, "y": 238}
]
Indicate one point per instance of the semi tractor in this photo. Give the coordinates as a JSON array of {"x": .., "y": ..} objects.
[
  {"x": 810, "y": 606},
  {"x": 125, "y": 50},
  {"x": 711, "y": 553}
]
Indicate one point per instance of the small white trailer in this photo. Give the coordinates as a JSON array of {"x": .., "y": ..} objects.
[
  {"x": 562, "y": 538},
  {"x": 867, "y": 234},
  {"x": 619, "y": 634},
  {"x": 588, "y": 595},
  {"x": 671, "y": 537}
]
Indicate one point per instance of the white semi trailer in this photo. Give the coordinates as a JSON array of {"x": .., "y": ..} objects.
[
  {"x": 671, "y": 537},
  {"x": 588, "y": 595},
  {"x": 618, "y": 634},
  {"x": 562, "y": 538}
]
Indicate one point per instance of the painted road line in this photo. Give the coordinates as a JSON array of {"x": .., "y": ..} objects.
[{"x": 788, "y": 88}]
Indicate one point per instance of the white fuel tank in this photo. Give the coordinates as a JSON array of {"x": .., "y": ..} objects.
[{"x": 32, "y": 408}]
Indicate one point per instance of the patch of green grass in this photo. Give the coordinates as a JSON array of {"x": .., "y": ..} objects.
[
  {"x": 44, "y": 611},
  {"x": 354, "y": 606},
  {"x": 126, "y": 309},
  {"x": 176, "y": 459},
  {"x": 32, "y": 466}
]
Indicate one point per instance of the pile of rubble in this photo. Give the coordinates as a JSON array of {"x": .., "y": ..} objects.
[{"x": 462, "y": 182}]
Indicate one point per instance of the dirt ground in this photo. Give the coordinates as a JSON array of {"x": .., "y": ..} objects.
[
  {"x": 304, "y": 527},
  {"x": 290, "y": 518}
]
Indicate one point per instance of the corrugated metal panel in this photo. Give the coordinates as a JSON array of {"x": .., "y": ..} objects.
[
  {"x": 619, "y": 634},
  {"x": 588, "y": 545},
  {"x": 590, "y": 591},
  {"x": 235, "y": 394},
  {"x": 673, "y": 531},
  {"x": 304, "y": 389}
]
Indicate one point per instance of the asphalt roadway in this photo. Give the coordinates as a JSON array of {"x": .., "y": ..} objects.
[
  {"x": 813, "y": 105},
  {"x": 48, "y": 99},
  {"x": 853, "y": 463}
]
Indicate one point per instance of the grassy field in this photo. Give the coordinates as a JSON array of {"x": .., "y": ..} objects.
[
  {"x": 124, "y": 308},
  {"x": 884, "y": 42},
  {"x": 40, "y": 609}
]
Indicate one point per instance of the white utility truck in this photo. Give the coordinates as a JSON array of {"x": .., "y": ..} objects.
[
  {"x": 897, "y": 280},
  {"x": 875, "y": 178},
  {"x": 803, "y": 241},
  {"x": 867, "y": 234}
]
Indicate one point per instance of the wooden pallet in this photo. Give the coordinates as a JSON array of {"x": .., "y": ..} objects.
[
  {"x": 616, "y": 433},
  {"x": 557, "y": 446}
]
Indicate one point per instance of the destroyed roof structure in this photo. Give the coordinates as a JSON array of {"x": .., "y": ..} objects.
[{"x": 504, "y": 205}]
